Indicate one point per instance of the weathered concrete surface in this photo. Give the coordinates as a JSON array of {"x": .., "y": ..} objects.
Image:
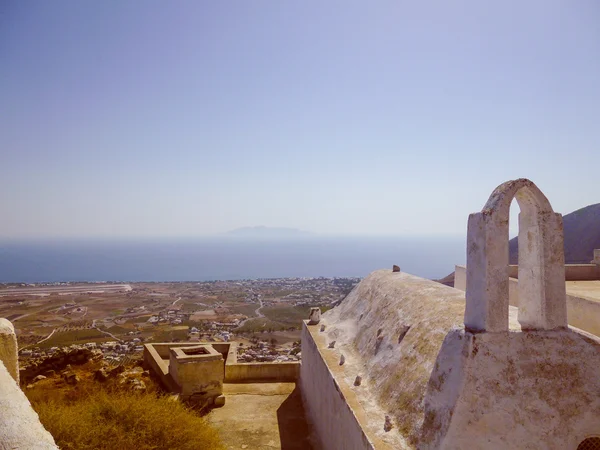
[
  {"x": 157, "y": 357},
  {"x": 508, "y": 378},
  {"x": 390, "y": 329},
  {"x": 259, "y": 372},
  {"x": 198, "y": 371},
  {"x": 584, "y": 314},
  {"x": 537, "y": 389},
  {"x": 160, "y": 367},
  {"x": 163, "y": 348},
  {"x": 262, "y": 416},
  {"x": 583, "y": 299},
  {"x": 460, "y": 277},
  {"x": 20, "y": 426},
  {"x": 441, "y": 386},
  {"x": 332, "y": 406},
  {"x": 8, "y": 348},
  {"x": 541, "y": 262},
  {"x": 588, "y": 289},
  {"x": 262, "y": 372},
  {"x": 573, "y": 272}
]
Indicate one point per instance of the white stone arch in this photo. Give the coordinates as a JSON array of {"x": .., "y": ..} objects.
[{"x": 542, "y": 295}]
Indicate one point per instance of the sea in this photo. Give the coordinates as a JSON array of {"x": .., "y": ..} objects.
[{"x": 224, "y": 258}]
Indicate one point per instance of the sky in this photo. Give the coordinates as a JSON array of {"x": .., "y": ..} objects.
[{"x": 187, "y": 118}]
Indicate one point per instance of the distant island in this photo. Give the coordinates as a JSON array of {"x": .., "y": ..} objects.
[{"x": 268, "y": 232}]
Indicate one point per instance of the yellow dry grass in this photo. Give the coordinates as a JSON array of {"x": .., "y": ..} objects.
[{"x": 117, "y": 419}]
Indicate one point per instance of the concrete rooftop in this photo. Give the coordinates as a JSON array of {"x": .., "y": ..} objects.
[
  {"x": 585, "y": 289},
  {"x": 262, "y": 416}
]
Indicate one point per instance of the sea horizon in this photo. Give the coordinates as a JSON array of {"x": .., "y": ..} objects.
[{"x": 221, "y": 257}]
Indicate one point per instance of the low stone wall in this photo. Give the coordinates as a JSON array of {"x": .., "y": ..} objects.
[
  {"x": 573, "y": 272},
  {"x": 262, "y": 372},
  {"x": 159, "y": 366},
  {"x": 156, "y": 356},
  {"x": 153, "y": 359},
  {"x": 162, "y": 349},
  {"x": 20, "y": 427},
  {"x": 584, "y": 314},
  {"x": 259, "y": 371},
  {"x": 327, "y": 407}
]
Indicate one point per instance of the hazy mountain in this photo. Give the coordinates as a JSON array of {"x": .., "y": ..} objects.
[
  {"x": 582, "y": 236},
  {"x": 268, "y": 232}
]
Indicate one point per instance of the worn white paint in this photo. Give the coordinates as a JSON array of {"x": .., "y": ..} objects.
[
  {"x": 20, "y": 427},
  {"x": 460, "y": 278},
  {"x": 390, "y": 329},
  {"x": 9, "y": 349},
  {"x": 582, "y": 312},
  {"x": 514, "y": 390},
  {"x": 328, "y": 410},
  {"x": 541, "y": 262}
]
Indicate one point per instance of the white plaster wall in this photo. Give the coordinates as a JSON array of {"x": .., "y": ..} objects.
[
  {"x": 20, "y": 427},
  {"x": 460, "y": 278},
  {"x": 513, "y": 292},
  {"x": 516, "y": 390},
  {"x": 327, "y": 410},
  {"x": 9, "y": 349},
  {"x": 573, "y": 272},
  {"x": 442, "y": 386},
  {"x": 390, "y": 328},
  {"x": 582, "y": 313}
]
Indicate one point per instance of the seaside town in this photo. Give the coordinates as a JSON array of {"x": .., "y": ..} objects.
[{"x": 114, "y": 320}]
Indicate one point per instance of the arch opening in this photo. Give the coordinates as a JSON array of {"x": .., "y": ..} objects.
[{"x": 542, "y": 293}]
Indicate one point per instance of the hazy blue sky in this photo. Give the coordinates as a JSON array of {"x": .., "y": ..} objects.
[{"x": 153, "y": 118}]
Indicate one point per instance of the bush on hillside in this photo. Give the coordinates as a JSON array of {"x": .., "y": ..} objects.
[{"x": 105, "y": 419}]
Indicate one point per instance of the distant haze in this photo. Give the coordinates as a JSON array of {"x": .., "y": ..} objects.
[{"x": 268, "y": 232}]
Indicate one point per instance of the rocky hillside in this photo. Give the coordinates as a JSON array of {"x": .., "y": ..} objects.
[{"x": 582, "y": 236}]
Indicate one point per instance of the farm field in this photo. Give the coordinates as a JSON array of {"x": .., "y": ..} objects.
[{"x": 55, "y": 316}]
